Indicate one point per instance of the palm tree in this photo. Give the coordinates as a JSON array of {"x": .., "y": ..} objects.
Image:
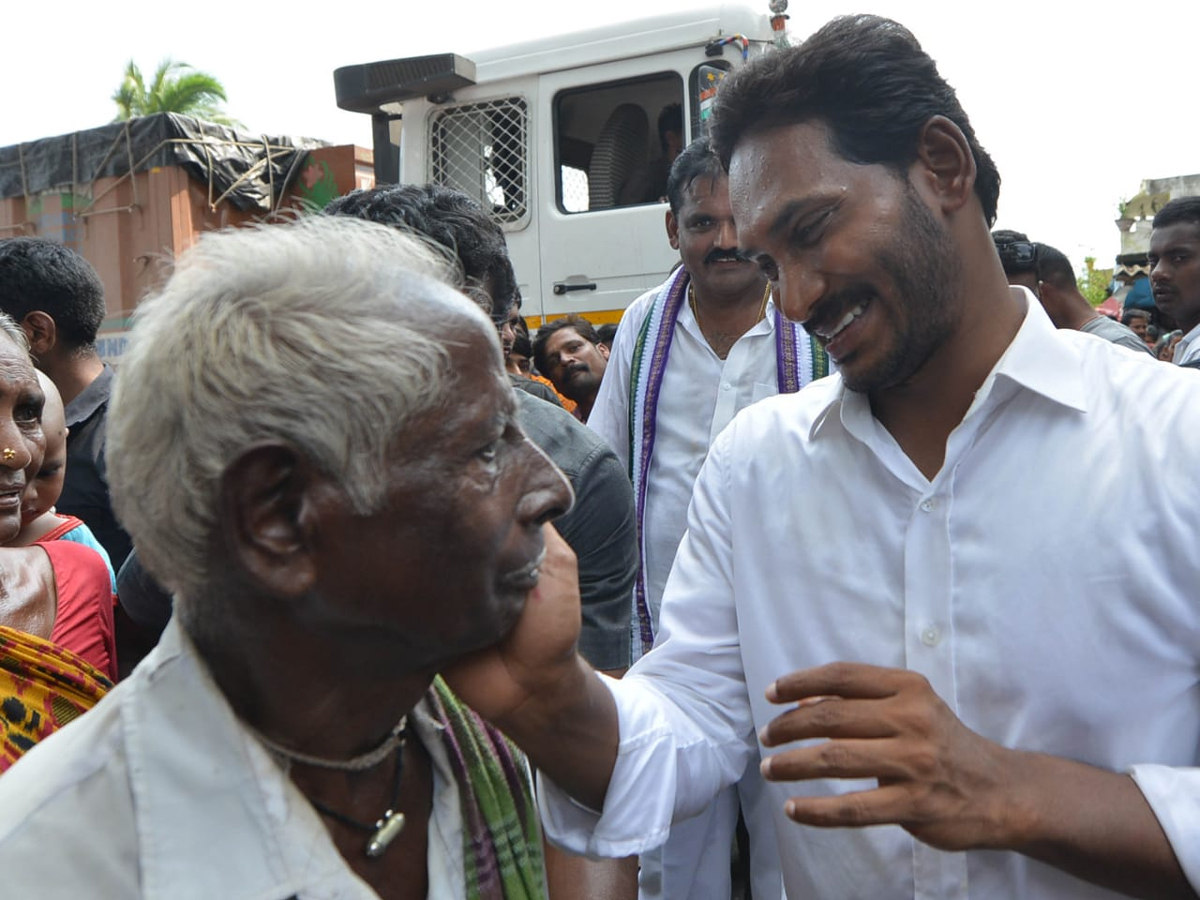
[{"x": 176, "y": 87}]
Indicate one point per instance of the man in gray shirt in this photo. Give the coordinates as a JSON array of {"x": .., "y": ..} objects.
[{"x": 1048, "y": 274}]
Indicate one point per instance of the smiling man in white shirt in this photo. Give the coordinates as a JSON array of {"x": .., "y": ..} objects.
[{"x": 891, "y": 578}]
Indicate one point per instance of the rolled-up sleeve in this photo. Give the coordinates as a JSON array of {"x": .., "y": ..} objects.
[
  {"x": 1174, "y": 796},
  {"x": 686, "y": 729},
  {"x": 667, "y": 768}
]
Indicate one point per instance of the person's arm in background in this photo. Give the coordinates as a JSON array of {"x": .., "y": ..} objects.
[
  {"x": 28, "y": 601},
  {"x": 570, "y": 877},
  {"x": 602, "y": 529},
  {"x": 610, "y": 412}
]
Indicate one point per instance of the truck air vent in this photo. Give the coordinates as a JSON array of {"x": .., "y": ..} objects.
[{"x": 367, "y": 87}]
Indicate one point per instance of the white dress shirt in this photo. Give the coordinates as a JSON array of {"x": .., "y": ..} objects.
[
  {"x": 1188, "y": 348},
  {"x": 1044, "y": 582},
  {"x": 161, "y": 793}
]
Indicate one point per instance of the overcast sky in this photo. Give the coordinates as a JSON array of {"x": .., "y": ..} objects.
[{"x": 1077, "y": 102}]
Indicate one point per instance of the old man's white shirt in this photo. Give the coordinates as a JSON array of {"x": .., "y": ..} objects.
[{"x": 160, "y": 792}]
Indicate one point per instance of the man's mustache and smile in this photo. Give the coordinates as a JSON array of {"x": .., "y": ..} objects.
[{"x": 719, "y": 255}]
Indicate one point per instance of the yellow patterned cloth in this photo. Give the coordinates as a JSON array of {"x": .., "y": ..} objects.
[{"x": 42, "y": 687}]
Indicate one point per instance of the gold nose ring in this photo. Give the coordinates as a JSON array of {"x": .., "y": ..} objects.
[{"x": 9, "y": 453}]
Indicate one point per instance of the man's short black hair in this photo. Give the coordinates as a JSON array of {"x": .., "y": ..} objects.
[
  {"x": 868, "y": 80},
  {"x": 606, "y": 332},
  {"x": 1007, "y": 236},
  {"x": 1018, "y": 254},
  {"x": 1054, "y": 266},
  {"x": 1130, "y": 314},
  {"x": 697, "y": 160},
  {"x": 1181, "y": 209},
  {"x": 449, "y": 218},
  {"x": 36, "y": 274},
  {"x": 582, "y": 327},
  {"x": 521, "y": 345}
]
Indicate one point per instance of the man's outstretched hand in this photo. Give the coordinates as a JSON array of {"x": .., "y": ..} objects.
[
  {"x": 498, "y": 680},
  {"x": 537, "y": 689}
]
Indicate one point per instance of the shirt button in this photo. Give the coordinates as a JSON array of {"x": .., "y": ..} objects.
[
  {"x": 931, "y": 636},
  {"x": 726, "y": 386},
  {"x": 928, "y": 505}
]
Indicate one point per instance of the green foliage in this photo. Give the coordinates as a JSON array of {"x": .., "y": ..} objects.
[
  {"x": 176, "y": 87},
  {"x": 1093, "y": 282}
]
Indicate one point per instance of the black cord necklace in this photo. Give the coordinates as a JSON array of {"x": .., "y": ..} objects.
[{"x": 388, "y": 827}]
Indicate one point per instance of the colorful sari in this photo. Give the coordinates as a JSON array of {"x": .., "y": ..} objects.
[{"x": 42, "y": 687}]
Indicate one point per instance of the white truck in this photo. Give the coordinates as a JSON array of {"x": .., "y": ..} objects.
[{"x": 565, "y": 139}]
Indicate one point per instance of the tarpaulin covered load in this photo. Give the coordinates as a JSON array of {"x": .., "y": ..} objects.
[
  {"x": 132, "y": 196},
  {"x": 251, "y": 173}
]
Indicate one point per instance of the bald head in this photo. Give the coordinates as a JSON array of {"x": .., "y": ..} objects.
[{"x": 54, "y": 423}]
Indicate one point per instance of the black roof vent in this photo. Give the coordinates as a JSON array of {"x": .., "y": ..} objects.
[{"x": 365, "y": 88}]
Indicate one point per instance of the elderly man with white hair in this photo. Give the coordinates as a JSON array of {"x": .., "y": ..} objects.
[{"x": 343, "y": 505}]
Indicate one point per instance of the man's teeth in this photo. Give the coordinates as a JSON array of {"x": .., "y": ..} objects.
[{"x": 846, "y": 320}]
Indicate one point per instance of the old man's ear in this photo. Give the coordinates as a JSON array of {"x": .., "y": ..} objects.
[{"x": 267, "y": 518}]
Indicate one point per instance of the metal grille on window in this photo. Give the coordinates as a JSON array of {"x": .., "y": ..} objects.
[{"x": 480, "y": 149}]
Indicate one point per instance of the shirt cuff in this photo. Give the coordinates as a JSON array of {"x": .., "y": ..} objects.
[
  {"x": 1174, "y": 796},
  {"x": 641, "y": 793}
]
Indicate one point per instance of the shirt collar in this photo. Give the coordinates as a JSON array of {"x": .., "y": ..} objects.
[
  {"x": 90, "y": 399},
  {"x": 765, "y": 325},
  {"x": 212, "y": 803},
  {"x": 1038, "y": 360},
  {"x": 1183, "y": 347},
  {"x": 769, "y": 318}
]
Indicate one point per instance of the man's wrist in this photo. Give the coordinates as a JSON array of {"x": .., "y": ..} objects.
[
  {"x": 559, "y": 691},
  {"x": 1017, "y": 803}
]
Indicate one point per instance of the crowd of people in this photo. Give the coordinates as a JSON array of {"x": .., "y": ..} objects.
[{"x": 811, "y": 557}]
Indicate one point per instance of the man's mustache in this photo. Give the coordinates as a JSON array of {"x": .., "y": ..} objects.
[{"x": 719, "y": 255}]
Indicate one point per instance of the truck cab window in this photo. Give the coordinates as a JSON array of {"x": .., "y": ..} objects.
[{"x": 615, "y": 142}]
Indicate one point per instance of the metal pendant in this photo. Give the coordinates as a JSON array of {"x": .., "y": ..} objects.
[{"x": 387, "y": 829}]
